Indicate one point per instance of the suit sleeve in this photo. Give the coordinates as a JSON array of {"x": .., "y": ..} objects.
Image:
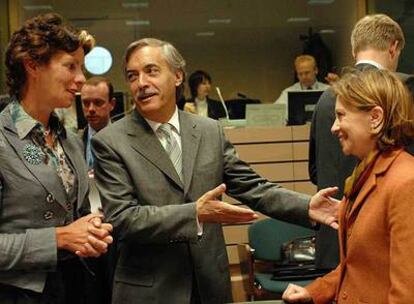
[
  {"x": 312, "y": 168},
  {"x": 249, "y": 188},
  {"x": 33, "y": 250},
  {"x": 400, "y": 212},
  {"x": 323, "y": 289},
  {"x": 132, "y": 219}
]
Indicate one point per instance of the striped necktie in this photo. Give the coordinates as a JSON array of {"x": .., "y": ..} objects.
[{"x": 172, "y": 148}]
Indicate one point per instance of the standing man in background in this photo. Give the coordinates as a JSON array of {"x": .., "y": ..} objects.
[
  {"x": 161, "y": 173},
  {"x": 97, "y": 95},
  {"x": 376, "y": 42}
]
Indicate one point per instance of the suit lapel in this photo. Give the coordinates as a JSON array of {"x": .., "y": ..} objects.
[
  {"x": 84, "y": 136},
  {"x": 47, "y": 177},
  {"x": 369, "y": 185},
  {"x": 382, "y": 164},
  {"x": 147, "y": 144},
  {"x": 74, "y": 155},
  {"x": 190, "y": 139}
]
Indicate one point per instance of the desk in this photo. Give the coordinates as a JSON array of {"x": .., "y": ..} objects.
[{"x": 280, "y": 154}]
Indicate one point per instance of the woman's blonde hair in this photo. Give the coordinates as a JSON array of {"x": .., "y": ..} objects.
[{"x": 363, "y": 90}]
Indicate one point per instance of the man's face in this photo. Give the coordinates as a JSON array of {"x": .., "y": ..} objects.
[
  {"x": 306, "y": 72},
  {"x": 152, "y": 83},
  {"x": 96, "y": 105}
]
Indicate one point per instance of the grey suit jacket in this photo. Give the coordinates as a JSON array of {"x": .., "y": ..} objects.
[
  {"x": 32, "y": 204},
  {"x": 154, "y": 213}
]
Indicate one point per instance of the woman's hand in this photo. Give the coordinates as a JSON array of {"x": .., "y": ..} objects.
[
  {"x": 86, "y": 237},
  {"x": 296, "y": 294},
  {"x": 190, "y": 107}
]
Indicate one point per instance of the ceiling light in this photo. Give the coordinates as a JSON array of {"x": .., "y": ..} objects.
[
  {"x": 321, "y": 2},
  {"x": 37, "y": 7},
  {"x": 222, "y": 21},
  {"x": 327, "y": 31},
  {"x": 298, "y": 19},
  {"x": 134, "y": 4},
  {"x": 137, "y": 22},
  {"x": 205, "y": 34}
]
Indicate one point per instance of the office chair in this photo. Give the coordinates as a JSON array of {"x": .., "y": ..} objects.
[{"x": 260, "y": 257}]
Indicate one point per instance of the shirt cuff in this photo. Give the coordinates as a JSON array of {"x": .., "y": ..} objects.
[{"x": 199, "y": 228}]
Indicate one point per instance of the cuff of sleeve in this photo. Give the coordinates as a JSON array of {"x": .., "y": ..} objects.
[
  {"x": 199, "y": 228},
  {"x": 41, "y": 251}
]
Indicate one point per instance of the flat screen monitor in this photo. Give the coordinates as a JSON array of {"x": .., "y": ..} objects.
[
  {"x": 237, "y": 107},
  {"x": 116, "y": 113},
  {"x": 301, "y": 105}
]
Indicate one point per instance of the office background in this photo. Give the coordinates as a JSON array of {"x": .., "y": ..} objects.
[{"x": 247, "y": 46}]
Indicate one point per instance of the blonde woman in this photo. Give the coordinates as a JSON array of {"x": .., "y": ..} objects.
[{"x": 374, "y": 121}]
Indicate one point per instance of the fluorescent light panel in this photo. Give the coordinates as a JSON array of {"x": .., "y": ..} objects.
[
  {"x": 298, "y": 19},
  {"x": 321, "y": 2},
  {"x": 327, "y": 31},
  {"x": 137, "y": 22},
  {"x": 205, "y": 34},
  {"x": 38, "y": 7},
  {"x": 221, "y": 21},
  {"x": 134, "y": 4}
]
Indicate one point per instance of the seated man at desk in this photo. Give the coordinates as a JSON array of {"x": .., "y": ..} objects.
[{"x": 306, "y": 71}]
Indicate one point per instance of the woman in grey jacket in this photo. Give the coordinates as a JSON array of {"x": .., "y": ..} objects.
[{"x": 46, "y": 228}]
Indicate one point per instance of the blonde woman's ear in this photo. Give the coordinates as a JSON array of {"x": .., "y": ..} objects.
[{"x": 377, "y": 119}]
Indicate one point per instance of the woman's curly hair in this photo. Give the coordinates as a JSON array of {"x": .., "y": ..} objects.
[{"x": 38, "y": 40}]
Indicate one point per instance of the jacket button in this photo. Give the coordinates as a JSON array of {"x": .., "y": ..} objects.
[
  {"x": 344, "y": 295},
  {"x": 48, "y": 215},
  {"x": 50, "y": 198}
]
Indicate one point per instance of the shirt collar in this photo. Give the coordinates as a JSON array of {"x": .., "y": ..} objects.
[
  {"x": 200, "y": 101},
  {"x": 371, "y": 62},
  {"x": 174, "y": 121},
  {"x": 91, "y": 132},
  {"x": 24, "y": 123},
  {"x": 313, "y": 86}
]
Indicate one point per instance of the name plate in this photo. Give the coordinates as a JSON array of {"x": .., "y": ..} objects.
[
  {"x": 265, "y": 115},
  {"x": 232, "y": 123}
]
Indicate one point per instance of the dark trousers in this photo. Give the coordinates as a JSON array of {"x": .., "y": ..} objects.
[
  {"x": 70, "y": 284},
  {"x": 195, "y": 294}
]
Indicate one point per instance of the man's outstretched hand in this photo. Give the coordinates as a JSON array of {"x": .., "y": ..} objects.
[
  {"x": 212, "y": 210},
  {"x": 323, "y": 208}
]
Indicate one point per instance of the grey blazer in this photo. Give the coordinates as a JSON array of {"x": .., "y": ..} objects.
[
  {"x": 154, "y": 213},
  {"x": 32, "y": 203}
]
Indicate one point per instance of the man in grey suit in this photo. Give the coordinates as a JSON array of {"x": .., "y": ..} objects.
[
  {"x": 161, "y": 173},
  {"x": 376, "y": 41}
]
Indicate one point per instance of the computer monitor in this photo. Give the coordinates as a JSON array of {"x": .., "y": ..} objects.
[
  {"x": 301, "y": 105},
  {"x": 237, "y": 107}
]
